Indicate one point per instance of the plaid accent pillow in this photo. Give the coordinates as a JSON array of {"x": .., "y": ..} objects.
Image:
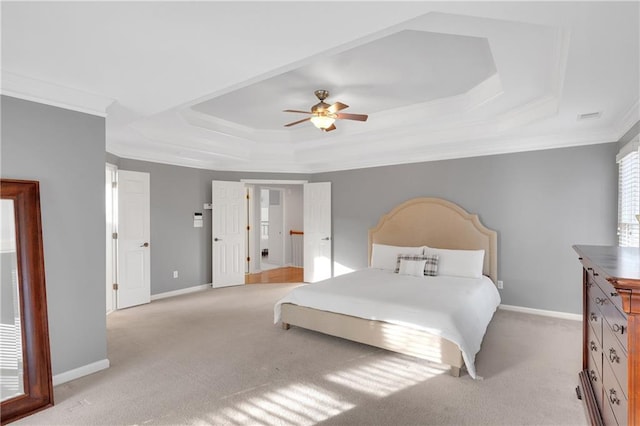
[{"x": 430, "y": 266}]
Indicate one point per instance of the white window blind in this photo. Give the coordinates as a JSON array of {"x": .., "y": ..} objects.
[{"x": 628, "y": 198}]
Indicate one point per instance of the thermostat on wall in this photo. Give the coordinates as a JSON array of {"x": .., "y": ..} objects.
[{"x": 197, "y": 220}]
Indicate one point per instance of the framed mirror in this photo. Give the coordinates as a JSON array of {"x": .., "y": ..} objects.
[{"x": 25, "y": 359}]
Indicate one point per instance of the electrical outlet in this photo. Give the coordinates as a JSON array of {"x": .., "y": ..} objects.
[
  {"x": 175, "y": 274},
  {"x": 500, "y": 284}
]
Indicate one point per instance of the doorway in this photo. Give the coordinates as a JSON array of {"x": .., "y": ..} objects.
[
  {"x": 275, "y": 221},
  {"x": 127, "y": 238},
  {"x": 271, "y": 228}
]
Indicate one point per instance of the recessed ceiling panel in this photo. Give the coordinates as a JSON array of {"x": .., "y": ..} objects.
[{"x": 405, "y": 68}]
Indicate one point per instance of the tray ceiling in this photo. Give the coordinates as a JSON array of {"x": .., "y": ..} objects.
[{"x": 203, "y": 84}]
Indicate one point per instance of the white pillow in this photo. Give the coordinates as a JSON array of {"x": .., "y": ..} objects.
[
  {"x": 412, "y": 267},
  {"x": 385, "y": 256},
  {"x": 459, "y": 263}
]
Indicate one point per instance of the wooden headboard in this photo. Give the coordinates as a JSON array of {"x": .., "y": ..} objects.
[{"x": 437, "y": 223}]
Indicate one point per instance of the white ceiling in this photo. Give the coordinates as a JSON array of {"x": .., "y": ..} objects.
[{"x": 203, "y": 84}]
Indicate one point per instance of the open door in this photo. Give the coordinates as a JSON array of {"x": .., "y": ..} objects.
[
  {"x": 228, "y": 233},
  {"x": 276, "y": 227},
  {"x": 318, "y": 248},
  {"x": 134, "y": 230}
]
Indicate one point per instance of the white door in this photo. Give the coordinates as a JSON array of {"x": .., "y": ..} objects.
[
  {"x": 228, "y": 233},
  {"x": 276, "y": 227},
  {"x": 111, "y": 174},
  {"x": 134, "y": 229},
  {"x": 317, "y": 231}
]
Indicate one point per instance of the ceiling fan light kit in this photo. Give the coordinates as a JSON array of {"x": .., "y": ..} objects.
[
  {"x": 323, "y": 115},
  {"x": 322, "y": 122}
]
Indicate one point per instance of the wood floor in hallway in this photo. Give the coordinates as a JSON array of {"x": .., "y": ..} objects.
[{"x": 278, "y": 275}]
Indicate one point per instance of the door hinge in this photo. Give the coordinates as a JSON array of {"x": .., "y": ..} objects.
[
  {"x": 114, "y": 184},
  {"x": 248, "y": 259},
  {"x": 115, "y": 286},
  {"x": 114, "y": 235},
  {"x": 247, "y": 196},
  {"x": 248, "y": 228}
]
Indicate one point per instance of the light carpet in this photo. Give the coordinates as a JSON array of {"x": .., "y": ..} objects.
[{"x": 216, "y": 358}]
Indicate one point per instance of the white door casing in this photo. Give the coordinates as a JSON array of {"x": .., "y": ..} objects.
[
  {"x": 318, "y": 252},
  {"x": 253, "y": 248},
  {"x": 134, "y": 231},
  {"x": 228, "y": 233}
]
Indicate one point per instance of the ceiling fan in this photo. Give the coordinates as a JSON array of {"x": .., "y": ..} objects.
[{"x": 324, "y": 115}]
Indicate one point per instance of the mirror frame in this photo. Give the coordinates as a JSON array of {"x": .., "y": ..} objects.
[{"x": 38, "y": 383}]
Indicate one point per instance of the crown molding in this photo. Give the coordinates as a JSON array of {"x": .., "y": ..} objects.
[
  {"x": 628, "y": 119},
  {"x": 326, "y": 162},
  {"x": 31, "y": 89}
]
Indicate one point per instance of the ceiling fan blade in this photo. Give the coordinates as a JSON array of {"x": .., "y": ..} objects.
[
  {"x": 296, "y": 110},
  {"x": 297, "y": 122},
  {"x": 346, "y": 116},
  {"x": 337, "y": 107},
  {"x": 330, "y": 128}
]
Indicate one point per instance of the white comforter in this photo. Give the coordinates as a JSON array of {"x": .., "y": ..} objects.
[{"x": 458, "y": 309}]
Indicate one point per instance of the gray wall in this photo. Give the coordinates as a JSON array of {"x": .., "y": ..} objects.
[
  {"x": 176, "y": 193},
  {"x": 541, "y": 203},
  {"x": 64, "y": 150}
]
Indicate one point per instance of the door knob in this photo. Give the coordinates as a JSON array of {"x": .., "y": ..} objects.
[
  {"x": 326, "y": 239},
  {"x": 145, "y": 245},
  {"x": 217, "y": 239}
]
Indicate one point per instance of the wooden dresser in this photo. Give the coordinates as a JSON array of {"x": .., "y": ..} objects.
[{"x": 610, "y": 376}]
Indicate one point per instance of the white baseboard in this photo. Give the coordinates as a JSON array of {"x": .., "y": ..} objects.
[
  {"x": 76, "y": 373},
  {"x": 554, "y": 314},
  {"x": 179, "y": 292}
]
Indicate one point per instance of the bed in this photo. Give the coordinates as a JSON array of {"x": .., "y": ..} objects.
[{"x": 470, "y": 302}]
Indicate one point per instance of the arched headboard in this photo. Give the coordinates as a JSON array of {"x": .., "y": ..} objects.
[{"x": 437, "y": 223}]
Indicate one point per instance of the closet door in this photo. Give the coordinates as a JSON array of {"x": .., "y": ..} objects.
[
  {"x": 229, "y": 233},
  {"x": 134, "y": 238}
]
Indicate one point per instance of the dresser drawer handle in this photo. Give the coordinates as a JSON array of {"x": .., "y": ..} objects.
[
  {"x": 589, "y": 269},
  {"x": 613, "y": 398},
  {"x": 617, "y": 328},
  {"x": 594, "y": 377},
  {"x": 613, "y": 356},
  {"x": 614, "y": 294},
  {"x": 593, "y": 316},
  {"x": 593, "y": 346},
  {"x": 595, "y": 274}
]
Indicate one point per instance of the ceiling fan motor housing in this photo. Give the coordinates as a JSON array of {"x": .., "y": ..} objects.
[
  {"x": 322, "y": 94},
  {"x": 320, "y": 107}
]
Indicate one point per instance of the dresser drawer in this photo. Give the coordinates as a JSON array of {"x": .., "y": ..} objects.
[
  {"x": 616, "y": 323},
  {"x": 613, "y": 396},
  {"x": 595, "y": 377},
  {"x": 608, "y": 418},
  {"x": 606, "y": 287},
  {"x": 595, "y": 317},
  {"x": 595, "y": 349},
  {"x": 616, "y": 357}
]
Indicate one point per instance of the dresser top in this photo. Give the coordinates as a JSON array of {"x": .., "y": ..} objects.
[{"x": 620, "y": 264}]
